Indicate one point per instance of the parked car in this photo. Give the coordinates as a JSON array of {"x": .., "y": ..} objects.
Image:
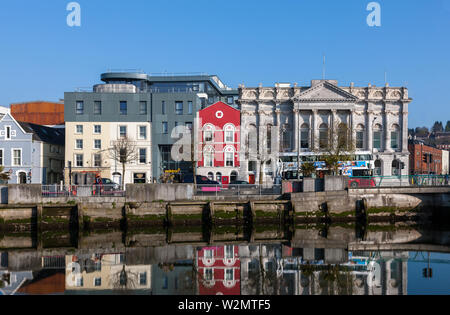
[
  {"x": 368, "y": 182},
  {"x": 201, "y": 180},
  {"x": 241, "y": 184},
  {"x": 109, "y": 186}
]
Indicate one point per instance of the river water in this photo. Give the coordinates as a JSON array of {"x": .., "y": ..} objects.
[{"x": 407, "y": 264}]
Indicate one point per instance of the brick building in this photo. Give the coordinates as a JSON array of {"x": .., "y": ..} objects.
[
  {"x": 420, "y": 162},
  {"x": 39, "y": 113}
]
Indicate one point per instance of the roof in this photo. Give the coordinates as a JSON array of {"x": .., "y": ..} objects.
[{"x": 45, "y": 134}]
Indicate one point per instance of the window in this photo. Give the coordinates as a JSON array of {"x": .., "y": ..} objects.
[
  {"x": 80, "y": 107},
  {"x": 143, "y": 108},
  {"x": 79, "y": 144},
  {"x": 8, "y": 133},
  {"x": 97, "y": 108},
  {"x": 97, "y": 160},
  {"x": 230, "y": 100},
  {"x": 229, "y": 252},
  {"x": 286, "y": 138},
  {"x": 143, "y": 132},
  {"x": 229, "y": 157},
  {"x": 360, "y": 137},
  {"x": 123, "y": 108},
  {"x": 395, "y": 137},
  {"x": 165, "y": 127},
  {"x": 269, "y": 139},
  {"x": 229, "y": 275},
  {"x": 79, "y": 160},
  {"x": 123, "y": 131},
  {"x": 79, "y": 129},
  {"x": 208, "y": 254},
  {"x": 323, "y": 136},
  {"x": 17, "y": 157},
  {"x": 343, "y": 136},
  {"x": 98, "y": 144},
  {"x": 163, "y": 107},
  {"x": 143, "y": 278},
  {"x": 377, "y": 171},
  {"x": 229, "y": 134},
  {"x": 1, "y": 157},
  {"x": 190, "y": 107},
  {"x": 234, "y": 176},
  {"x": 189, "y": 126},
  {"x": 396, "y": 168},
  {"x": 142, "y": 156},
  {"x": 179, "y": 108},
  {"x": 304, "y": 134},
  {"x": 209, "y": 275},
  {"x": 209, "y": 157},
  {"x": 98, "y": 282},
  {"x": 97, "y": 129},
  {"x": 377, "y": 137},
  {"x": 208, "y": 133},
  {"x": 80, "y": 282}
]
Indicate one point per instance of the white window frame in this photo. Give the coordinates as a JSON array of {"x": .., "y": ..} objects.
[
  {"x": 10, "y": 133},
  {"x": 126, "y": 131},
  {"x": 209, "y": 151},
  {"x": 93, "y": 160},
  {"x": 82, "y": 160},
  {"x": 207, "y": 270},
  {"x": 97, "y": 278},
  {"x": 97, "y": 133},
  {"x": 139, "y": 156},
  {"x": 76, "y": 144},
  {"x": 13, "y": 162},
  {"x": 229, "y": 150},
  {"x": 139, "y": 132},
  {"x": 95, "y": 142},
  {"x": 76, "y": 130},
  {"x": 208, "y": 130},
  {"x": 226, "y": 273},
  {"x": 229, "y": 128}
]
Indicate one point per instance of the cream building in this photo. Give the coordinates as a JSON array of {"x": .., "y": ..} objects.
[
  {"x": 294, "y": 118},
  {"x": 89, "y": 149}
]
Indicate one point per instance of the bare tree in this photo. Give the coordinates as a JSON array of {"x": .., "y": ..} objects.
[
  {"x": 123, "y": 151},
  {"x": 335, "y": 145}
]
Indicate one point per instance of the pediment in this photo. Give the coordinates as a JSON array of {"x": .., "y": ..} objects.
[{"x": 325, "y": 92}]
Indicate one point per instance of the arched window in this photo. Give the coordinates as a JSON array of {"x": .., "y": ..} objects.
[
  {"x": 396, "y": 168},
  {"x": 208, "y": 133},
  {"x": 219, "y": 177},
  {"x": 377, "y": 171},
  {"x": 286, "y": 138},
  {"x": 252, "y": 140},
  {"x": 360, "y": 137},
  {"x": 305, "y": 136},
  {"x": 211, "y": 176},
  {"x": 229, "y": 133},
  {"x": 343, "y": 136},
  {"x": 395, "y": 137},
  {"x": 323, "y": 136},
  {"x": 269, "y": 139},
  {"x": 377, "y": 132},
  {"x": 229, "y": 156},
  {"x": 208, "y": 156},
  {"x": 233, "y": 176},
  {"x": 22, "y": 178}
]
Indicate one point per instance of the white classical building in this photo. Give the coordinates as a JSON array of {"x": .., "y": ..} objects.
[{"x": 282, "y": 125}]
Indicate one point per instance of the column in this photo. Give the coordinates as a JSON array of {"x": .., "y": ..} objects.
[
  {"x": 278, "y": 130},
  {"x": 369, "y": 128},
  {"x": 334, "y": 129},
  {"x": 315, "y": 131},
  {"x": 353, "y": 126},
  {"x": 405, "y": 130},
  {"x": 386, "y": 127},
  {"x": 296, "y": 130}
]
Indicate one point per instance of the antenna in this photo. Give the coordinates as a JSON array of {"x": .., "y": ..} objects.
[{"x": 324, "y": 67}]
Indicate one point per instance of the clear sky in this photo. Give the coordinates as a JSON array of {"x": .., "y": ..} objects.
[{"x": 242, "y": 41}]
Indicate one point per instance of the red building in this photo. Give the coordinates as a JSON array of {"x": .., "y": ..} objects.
[
  {"x": 424, "y": 159},
  {"x": 219, "y": 140},
  {"x": 219, "y": 270}
]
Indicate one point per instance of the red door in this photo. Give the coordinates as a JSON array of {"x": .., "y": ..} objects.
[
  {"x": 251, "y": 179},
  {"x": 225, "y": 181}
]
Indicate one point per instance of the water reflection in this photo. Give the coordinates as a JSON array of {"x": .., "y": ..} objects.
[{"x": 393, "y": 262}]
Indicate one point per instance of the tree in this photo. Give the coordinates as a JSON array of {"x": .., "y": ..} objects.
[
  {"x": 335, "y": 145},
  {"x": 447, "y": 127},
  {"x": 4, "y": 177},
  {"x": 308, "y": 169},
  {"x": 123, "y": 151},
  {"x": 422, "y": 132},
  {"x": 437, "y": 127}
]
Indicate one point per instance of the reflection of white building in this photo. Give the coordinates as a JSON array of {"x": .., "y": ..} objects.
[
  {"x": 10, "y": 282},
  {"x": 291, "y": 121},
  {"x": 105, "y": 272}
]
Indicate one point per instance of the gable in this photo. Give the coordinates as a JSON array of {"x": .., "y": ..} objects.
[
  {"x": 325, "y": 92},
  {"x": 17, "y": 132}
]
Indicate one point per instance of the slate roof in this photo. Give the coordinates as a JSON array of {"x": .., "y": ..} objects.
[{"x": 45, "y": 134}]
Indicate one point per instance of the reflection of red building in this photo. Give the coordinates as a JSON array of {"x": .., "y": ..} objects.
[
  {"x": 219, "y": 142},
  {"x": 39, "y": 113},
  {"x": 219, "y": 270}
]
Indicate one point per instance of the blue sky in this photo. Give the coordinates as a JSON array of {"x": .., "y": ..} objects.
[{"x": 246, "y": 41}]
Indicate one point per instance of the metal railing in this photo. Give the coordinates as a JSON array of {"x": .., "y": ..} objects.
[
  {"x": 399, "y": 181},
  {"x": 238, "y": 190},
  {"x": 55, "y": 191}
]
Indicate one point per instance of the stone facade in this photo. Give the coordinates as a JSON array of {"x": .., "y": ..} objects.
[{"x": 296, "y": 115}]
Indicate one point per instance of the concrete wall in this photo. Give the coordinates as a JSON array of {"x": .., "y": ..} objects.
[
  {"x": 24, "y": 194},
  {"x": 336, "y": 183},
  {"x": 155, "y": 192}
]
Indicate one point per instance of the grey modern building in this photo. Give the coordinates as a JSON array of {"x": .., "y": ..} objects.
[{"x": 161, "y": 101}]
